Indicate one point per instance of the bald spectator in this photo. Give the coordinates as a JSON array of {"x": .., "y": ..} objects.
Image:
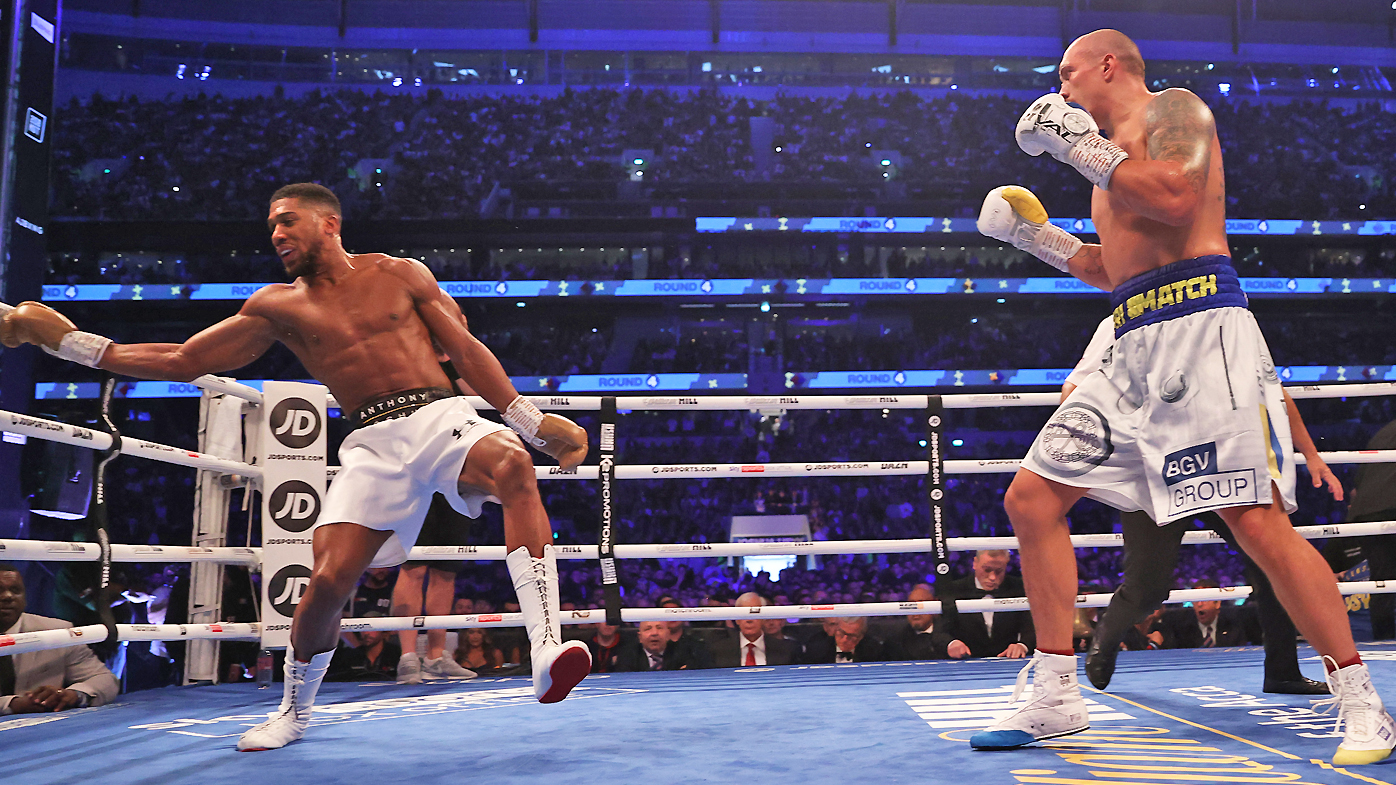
[
  {"x": 987, "y": 633},
  {"x": 45, "y": 681},
  {"x": 651, "y": 652},
  {"x": 920, "y": 639},
  {"x": 750, "y": 646}
]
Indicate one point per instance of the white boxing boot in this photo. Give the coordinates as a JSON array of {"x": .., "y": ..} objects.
[
  {"x": 1369, "y": 734},
  {"x": 1056, "y": 707},
  {"x": 557, "y": 666},
  {"x": 288, "y": 723}
]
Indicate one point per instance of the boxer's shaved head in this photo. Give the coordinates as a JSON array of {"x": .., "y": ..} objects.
[{"x": 1093, "y": 47}]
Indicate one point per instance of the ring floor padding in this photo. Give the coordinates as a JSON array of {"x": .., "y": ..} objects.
[{"x": 1170, "y": 718}]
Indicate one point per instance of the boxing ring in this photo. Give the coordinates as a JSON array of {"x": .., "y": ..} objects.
[{"x": 1169, "y": 717}]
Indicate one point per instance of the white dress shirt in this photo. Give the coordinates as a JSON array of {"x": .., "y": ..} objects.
[
  {"x": 988, "y": 615},
  {"x": 760, "y": 649}
]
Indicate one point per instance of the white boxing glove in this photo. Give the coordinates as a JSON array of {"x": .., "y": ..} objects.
[
  {"x": 1071, "y": 136},
  {"x": 1012, "y": 213}
]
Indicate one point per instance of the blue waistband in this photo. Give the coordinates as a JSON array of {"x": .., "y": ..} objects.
[{"x": 1174, "y": 290}]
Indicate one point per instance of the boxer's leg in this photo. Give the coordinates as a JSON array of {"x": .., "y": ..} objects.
[
  {"x": 342, "y": 552},
  {"x": 499, "y": 465},
  {"x": 1037, "y": 507},
  {"x": 1306, "y": 587}
]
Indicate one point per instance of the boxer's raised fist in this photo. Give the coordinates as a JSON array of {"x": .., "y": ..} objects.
[
  {"x": 1013, "y": 214},
  {"x": 1070, "y": 135}
]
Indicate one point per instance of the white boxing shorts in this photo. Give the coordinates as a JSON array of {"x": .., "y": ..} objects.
[
  {"x": 412, "y": 444},
  {"x": 1185, "y": 412}
]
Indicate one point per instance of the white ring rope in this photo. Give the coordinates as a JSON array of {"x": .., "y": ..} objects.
[
  {"x": 63, "y": 433},
  {"x": 22, "y": 642},
  {"x": 55, "y": 639},
  {"x": 45, "y": 550},
  {"x": 48, "y": 550}
]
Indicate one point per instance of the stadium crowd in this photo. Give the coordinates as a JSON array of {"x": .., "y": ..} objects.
[{"x": 430, "y": 156}]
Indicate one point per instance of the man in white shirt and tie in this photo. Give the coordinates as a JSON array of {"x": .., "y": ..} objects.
[{"x": 752, "y": 647}]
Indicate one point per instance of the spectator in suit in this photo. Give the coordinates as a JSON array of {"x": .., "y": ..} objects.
[
  {"x": 820, "y": 646},
  {"x": 50, "y": 680},
  {"x": 750, "y": 646},
  {"x": 920, "y": 639},
  {"x": 687, "y": 648},
  {"x": 853, "y": 644},
  {"x": 990, "y": 633},
  {"x": 1207, "y": 624},
  {"x": 1374, "y": 499},
  {"x": 653, "y": 651}
]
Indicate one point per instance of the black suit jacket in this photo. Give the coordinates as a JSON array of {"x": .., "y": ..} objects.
[
  {"x": 729, "y": 650},
  {"x": 677, "y": 656},
  {"x": 1180, "y": 630},
  {"x": 969, "y": 628},
  {"x": 822, "y": 649},
  {"x": 913, "y": 645}
]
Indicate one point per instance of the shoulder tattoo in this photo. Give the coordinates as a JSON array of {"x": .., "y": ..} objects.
[{"x": 1180, "y": 130}]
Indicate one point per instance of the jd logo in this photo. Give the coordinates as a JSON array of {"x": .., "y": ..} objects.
[
  {"x": 295, "y": 423},
  {"x": 294, "y": 506},
  {"x": 287, "y": 587},
  {"x": 1189, "y": 463}
]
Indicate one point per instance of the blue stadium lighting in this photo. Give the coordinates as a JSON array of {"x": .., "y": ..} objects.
[
  {"x": 886, "y": 162},
  {"x": 777, "y": 148},
  {"x": 765, "y": 307},
  {"x": 1045, "y": 69},
  {"x": 639, "y": 162},
  {"x": 1225, "y": 88},
  {"x": 954, "y": 87},
  {"x": 519, "y": 304},
  {"x": 1001, "y": 301},
  {"x": 954, "y": 443},
  {"x": 922, "y": 443}
]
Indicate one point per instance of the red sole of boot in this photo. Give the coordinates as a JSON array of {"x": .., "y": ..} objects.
[{"x": 567, "y": 672}]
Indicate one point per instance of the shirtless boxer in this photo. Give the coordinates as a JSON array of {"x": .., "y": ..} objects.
[
  {"x": 364, "y": 325},
  {"x": 1188, "y": 416}
]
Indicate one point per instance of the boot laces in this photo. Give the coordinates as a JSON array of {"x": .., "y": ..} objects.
[{"x": 1352, "y": 707}]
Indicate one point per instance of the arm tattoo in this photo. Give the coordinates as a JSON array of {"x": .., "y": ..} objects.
[
  {"x": 1091, "y": 263},
  {"x": 1180, "y": 130}
]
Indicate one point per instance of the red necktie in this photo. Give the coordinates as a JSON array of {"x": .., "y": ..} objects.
[{"x": 750, "y": 655}]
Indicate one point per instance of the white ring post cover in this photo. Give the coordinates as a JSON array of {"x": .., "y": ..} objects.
[{"x": 293, "y": 494}]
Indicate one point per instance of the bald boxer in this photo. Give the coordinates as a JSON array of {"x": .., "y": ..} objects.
[
  {"x": 1187, "y": 414},
  {"x": 364, "y": 325}
]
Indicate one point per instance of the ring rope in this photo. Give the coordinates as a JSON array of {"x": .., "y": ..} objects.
[
  {"x": 55, "y": 639},
  {"x": 47, "y": 550}
]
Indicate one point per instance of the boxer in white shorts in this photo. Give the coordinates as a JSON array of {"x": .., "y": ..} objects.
[
  {"x": 370, "y": 327},
  {"x": 1187, "y": 414},
  {"x": 391, "y": 466},
  {"x": 1214, "y": 434}
]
